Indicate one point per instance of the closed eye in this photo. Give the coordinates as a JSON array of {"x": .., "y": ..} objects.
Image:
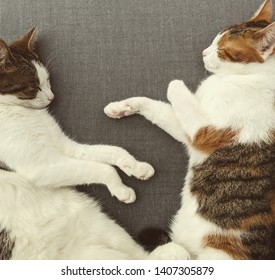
[{"x": 13, "y": 89}]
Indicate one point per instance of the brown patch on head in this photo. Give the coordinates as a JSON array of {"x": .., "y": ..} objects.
[
  {"x": 239, "y": 45},
  {"x": 251, "y": 41},
  {"x": 208, "y": 139},
  {"x": 18, "y": 75},
  {"x": 228, "y": 243}
]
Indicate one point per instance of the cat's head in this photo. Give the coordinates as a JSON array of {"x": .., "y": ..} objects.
[
  {"x": 242, "y": 44},
  {"x": 24, "y": 81}
]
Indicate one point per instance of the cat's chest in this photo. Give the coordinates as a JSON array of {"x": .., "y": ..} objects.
[
  {"x": 218, "y": 99},
  {"x": 27, "y": 123},
  {"x": 25, "y": 133},
  {"x": 236, "y": 102}
]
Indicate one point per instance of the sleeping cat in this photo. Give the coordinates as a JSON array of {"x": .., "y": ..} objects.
[
  {"x": 228, "y": 126},
  {"x": 39, "y": 217}
]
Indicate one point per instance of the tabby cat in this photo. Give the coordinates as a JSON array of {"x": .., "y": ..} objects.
[{"x": 228, "y": 126}]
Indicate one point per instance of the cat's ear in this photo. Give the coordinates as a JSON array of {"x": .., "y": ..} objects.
[
  {"x": 264, "y": 13},
  {"x": 265, "y": 40},
  {"x": 27, "y": 41},
  {"x": 6, "y": 57}
]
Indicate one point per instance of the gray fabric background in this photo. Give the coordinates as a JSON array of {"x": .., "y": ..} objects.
[{"x": 106, "y": 50}]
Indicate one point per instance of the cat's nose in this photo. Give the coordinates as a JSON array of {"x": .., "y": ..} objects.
[
  {"x": 51, "y": 98},
  {"x": 204, "y": 53}
]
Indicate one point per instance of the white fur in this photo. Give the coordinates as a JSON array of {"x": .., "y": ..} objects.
[
  {"x": 238, "y": 96},
  {"x": 47, "y": 220},
  {"x": 59, "y": 224}
]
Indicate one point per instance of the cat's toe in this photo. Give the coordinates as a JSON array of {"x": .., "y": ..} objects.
[
  {"x": 112, "y": 111},
  {"x": 170, "y": 251},
  {"x": 119, "y": 110},
  {"x": 140, "y": 170},
  {"x": 144, "y": 171},
  {"x": 126, "y": 195}
]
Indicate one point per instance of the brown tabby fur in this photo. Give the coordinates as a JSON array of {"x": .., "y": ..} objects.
[
  {"x": 6, "y": 245},
  {"x": 235, "y": 189},
  {"x": 19, "y": 76}
]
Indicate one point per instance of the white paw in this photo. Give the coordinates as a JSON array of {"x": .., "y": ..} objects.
[
  {"x": 175, "y": 88},
  {"x": 141, "y": 170},
  {"x": 125, "y": 194},
  {"x": 120, "y": 109},
  {"x": 169, "y": 251}
]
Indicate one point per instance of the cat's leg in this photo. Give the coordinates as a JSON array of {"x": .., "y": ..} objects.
[
  {"x": 186, "y": 108},
  {"x": 157, "y": 112},
  {"x": 66, "y": 171},
  {"x": 169, "y": 251},
  {"x": 110, "y": 155}
]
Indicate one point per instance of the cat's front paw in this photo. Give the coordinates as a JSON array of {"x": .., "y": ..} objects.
[
  {"x": 120, "y": 109},
  {"x": 169, "y": 251},
  {"x": 125, "y": 194},
  {"x": 143, "y": 171},
  {"x": 140, "y": 170},
  {"x": 176, "y": 88}
]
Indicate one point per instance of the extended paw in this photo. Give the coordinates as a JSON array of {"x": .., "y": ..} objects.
[
  {"x": 125, "y": 194},
  {"x": 141, "y": 170},
  {"x": 170, "y": 251},
  {"x": 120, "y": 109},
  {"x": 175, "y": 88}
]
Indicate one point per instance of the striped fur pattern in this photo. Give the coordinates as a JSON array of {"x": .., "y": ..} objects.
[
  {"x": 239, "y": 181},
  {"x": 6, "y": 245}
]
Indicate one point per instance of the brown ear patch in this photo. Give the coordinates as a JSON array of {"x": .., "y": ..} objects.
[
  {"x": 6, "y": 58},
  {"x": 264, "y": 12},
  {"x": 208, "y": 139},
  {"x": 27, "y": 41},
  {"x": 228, "y": 243},
  {"x": 238, "y": 43}
]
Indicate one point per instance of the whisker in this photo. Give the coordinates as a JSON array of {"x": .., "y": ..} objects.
[{"x": 49, "y": 60}]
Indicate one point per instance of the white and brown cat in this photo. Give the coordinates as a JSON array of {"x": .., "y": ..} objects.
[
  {"x": 228, "y": 126},
  {"x": 39, "y": 217}
]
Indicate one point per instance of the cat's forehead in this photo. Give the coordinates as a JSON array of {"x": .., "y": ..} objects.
[
  {"x": 42, "y": 72},
  {"x": 249, "y": 25},
  {"x": 245, "y": 29}
]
